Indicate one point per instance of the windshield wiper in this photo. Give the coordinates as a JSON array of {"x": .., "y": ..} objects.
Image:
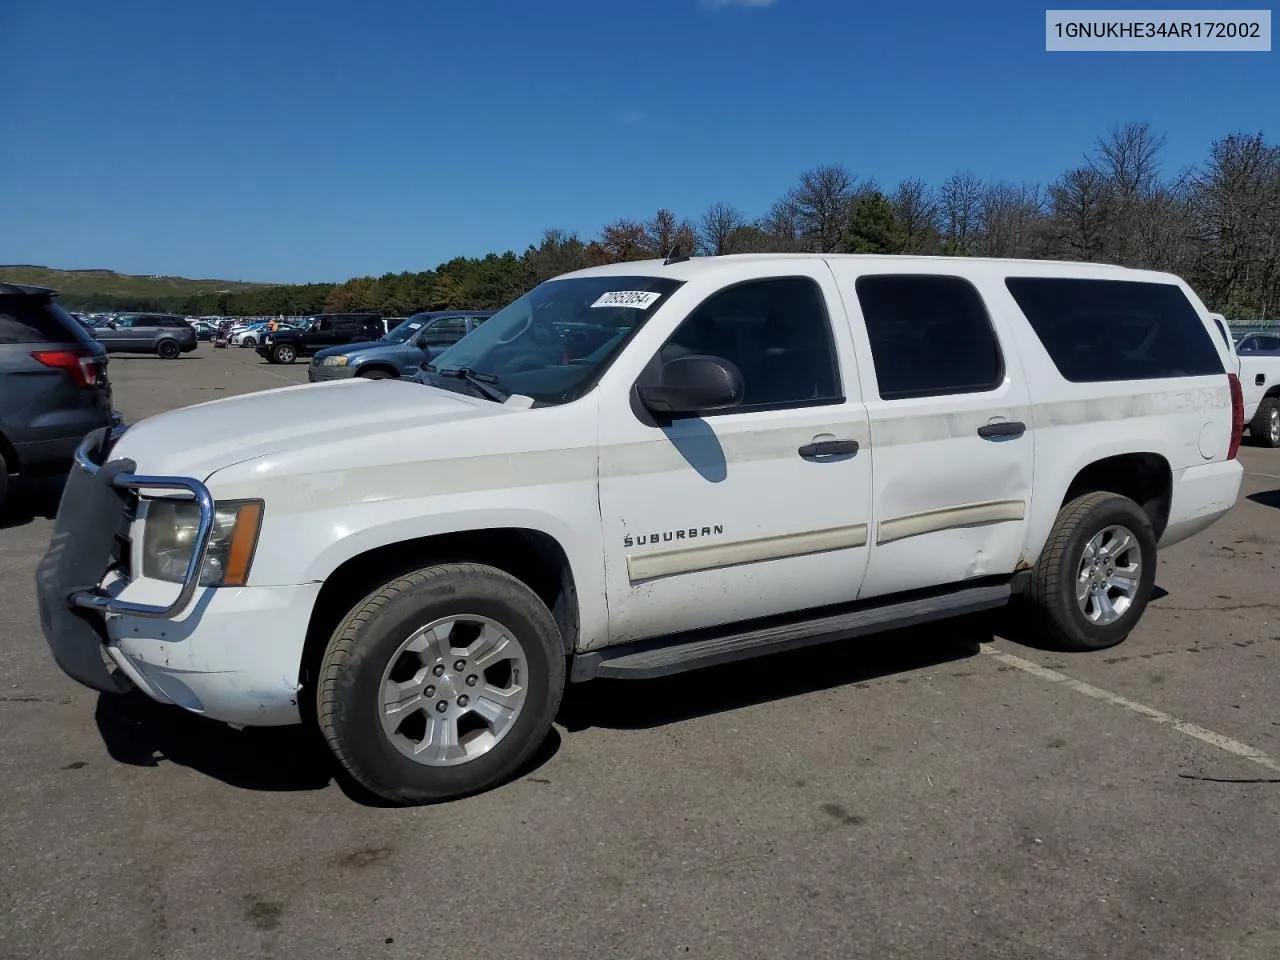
[{"x": 481, "y": 381}]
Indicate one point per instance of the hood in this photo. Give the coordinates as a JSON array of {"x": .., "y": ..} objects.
[
  {"x": 198, "y": 440},
  {"x": 358, "y": 347}
]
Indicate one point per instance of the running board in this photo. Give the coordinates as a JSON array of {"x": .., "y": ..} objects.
[{"x": 646, "y": 659}]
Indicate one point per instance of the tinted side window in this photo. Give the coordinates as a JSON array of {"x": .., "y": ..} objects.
[
  {"x": 1268, "y": 344},
  {"x": 930, "y": 336},
  {"x": 26, "y": 319},
  {"x": 776, "y": 332},
  {"x": 445, "y": 330},
  {"x": 1097, "y": 330},
  {"x": 1222, "y": 331}
]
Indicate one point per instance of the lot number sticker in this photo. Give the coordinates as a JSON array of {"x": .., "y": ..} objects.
[{"x": 638, "y": 299}]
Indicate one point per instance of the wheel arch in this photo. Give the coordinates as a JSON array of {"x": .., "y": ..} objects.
[
  {"x": 377, "y": 365},
  {"x": 1145, "y": 478},
  {"x": 1136, "y": 467},
  {"x": 534, "y": 557}
]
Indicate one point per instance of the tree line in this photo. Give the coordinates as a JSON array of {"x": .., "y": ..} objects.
[{"x": 1216, "y": 223}]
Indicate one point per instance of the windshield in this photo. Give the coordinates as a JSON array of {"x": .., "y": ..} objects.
[
  {"x": 404, "y": 330},
  {"x": 556, "y": 341}
]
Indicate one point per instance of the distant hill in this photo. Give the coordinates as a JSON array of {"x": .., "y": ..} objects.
[{"x": 106, "y": 288}]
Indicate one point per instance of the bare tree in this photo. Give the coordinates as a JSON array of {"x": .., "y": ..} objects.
[
  {"x": 915, "y": 204},
  {"x": 1235, "y": 224},
  {"x": 1008, "y": 220},
  {"x": 1127, "y": 161},
  {"x": 820, "y": 206},
  {"x": 782, "y": 228},
  {"x": 1079, "y": 203},
  {"x": 625, "y": 240},
  {"x": 664, "y": 233},
  {"x": 959, "y": 205},
  {"x": 718, "y": 227}
]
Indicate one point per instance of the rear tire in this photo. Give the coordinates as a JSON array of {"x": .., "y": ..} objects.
[
  {"x": 1095, "y": 575},
  {"x": 168, "y": 349},
  {"x": 472, "y": 665},
  {"x": 249, "y": 342},
  {"x": 1265, "y": 425}
]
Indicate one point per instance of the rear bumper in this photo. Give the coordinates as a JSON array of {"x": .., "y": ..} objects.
[
  {"x": 317, "y": 373},
  {"x": 1201, "y": 496}
]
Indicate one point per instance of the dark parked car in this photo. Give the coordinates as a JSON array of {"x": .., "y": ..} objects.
[
  {"x": 1259, "y": 345},
  {"x": 317, "y": 332},
  {"x": 401, "y": 352},
  {"x": 53, "y": 385},
  {"x": 163, "y": 334}
]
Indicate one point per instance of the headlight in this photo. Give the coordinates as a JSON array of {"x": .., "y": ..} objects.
[
  {"x": 339, "y": 361},
  {"x": 170, "y": 533}
]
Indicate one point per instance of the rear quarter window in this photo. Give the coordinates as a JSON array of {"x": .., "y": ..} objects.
[
  {"x": 27, "y": 319},
  {"x": 1102, "y": 330}
]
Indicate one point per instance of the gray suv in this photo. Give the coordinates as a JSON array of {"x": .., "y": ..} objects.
[
  {"x": 53, "y": 385},
  {"x": 163, "y": 334},
  {"x": 401, "y": 352}
]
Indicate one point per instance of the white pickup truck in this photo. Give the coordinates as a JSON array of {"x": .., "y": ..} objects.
[
  {"x": 1258, "y": 366},
  {"x": 639, "y": 469}
]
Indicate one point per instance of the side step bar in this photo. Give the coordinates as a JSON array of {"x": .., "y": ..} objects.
[{"x": 646, "y": 659}]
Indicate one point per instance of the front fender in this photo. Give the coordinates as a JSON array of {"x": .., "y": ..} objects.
[{"x": 307, "y": 546}]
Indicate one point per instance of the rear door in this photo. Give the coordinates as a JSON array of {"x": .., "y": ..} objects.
[
  {"x": 950, "y": 427},
  {"x": 144, "y": 333},
  {"x": 114, "y": 334}
]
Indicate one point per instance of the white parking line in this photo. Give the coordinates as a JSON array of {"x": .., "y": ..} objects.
[
  {"x": 1225, "y": 744},
  {"x": 1273, "y": 476}
]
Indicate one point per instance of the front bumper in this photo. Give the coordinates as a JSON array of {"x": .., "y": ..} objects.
[
  {"x": 318, "y": 373},
  {"x": 230, "y": 653}
]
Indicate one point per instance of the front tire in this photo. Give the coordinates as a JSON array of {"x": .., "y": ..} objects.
[
  {"x": 375, "y": 374},
  {"x": 1265, "y": 425},
  {"x": 1095, "y": 575},
  {"x": 284, "y": 354},
  {"x": 441, "y": 683}
]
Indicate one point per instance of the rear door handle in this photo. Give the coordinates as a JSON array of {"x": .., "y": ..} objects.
[
  {"x": 828, "y": 448},
  {"x": 1006, "y": 428}
]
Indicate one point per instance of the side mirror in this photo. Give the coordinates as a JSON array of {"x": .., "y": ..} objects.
[{"x": 693, "y": 384}]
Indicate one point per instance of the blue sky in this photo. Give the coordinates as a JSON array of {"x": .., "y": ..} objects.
[{"x": 297, "y": 141}]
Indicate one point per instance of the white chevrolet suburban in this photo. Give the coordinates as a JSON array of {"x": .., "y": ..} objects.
[{"x": 643, "y": 468}]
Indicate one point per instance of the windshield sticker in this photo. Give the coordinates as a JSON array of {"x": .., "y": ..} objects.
[
  {"x": 414, "y": 326},
  {"x": 637, "y": 299}
]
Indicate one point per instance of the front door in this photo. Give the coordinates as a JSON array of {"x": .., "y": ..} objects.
[
  {"x": 741, "y": 513},
  {"x": 951, "y": 430}
]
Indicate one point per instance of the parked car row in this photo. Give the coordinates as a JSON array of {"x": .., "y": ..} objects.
[{"x": 400, "y": 353}]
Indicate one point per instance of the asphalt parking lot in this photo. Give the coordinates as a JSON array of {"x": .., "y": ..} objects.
[{"x": 937, "y": 793}]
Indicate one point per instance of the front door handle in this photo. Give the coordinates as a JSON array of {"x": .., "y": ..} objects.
[
  {"x": 1006, "y": 428},
  {"x": 828, "y": 448}
]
